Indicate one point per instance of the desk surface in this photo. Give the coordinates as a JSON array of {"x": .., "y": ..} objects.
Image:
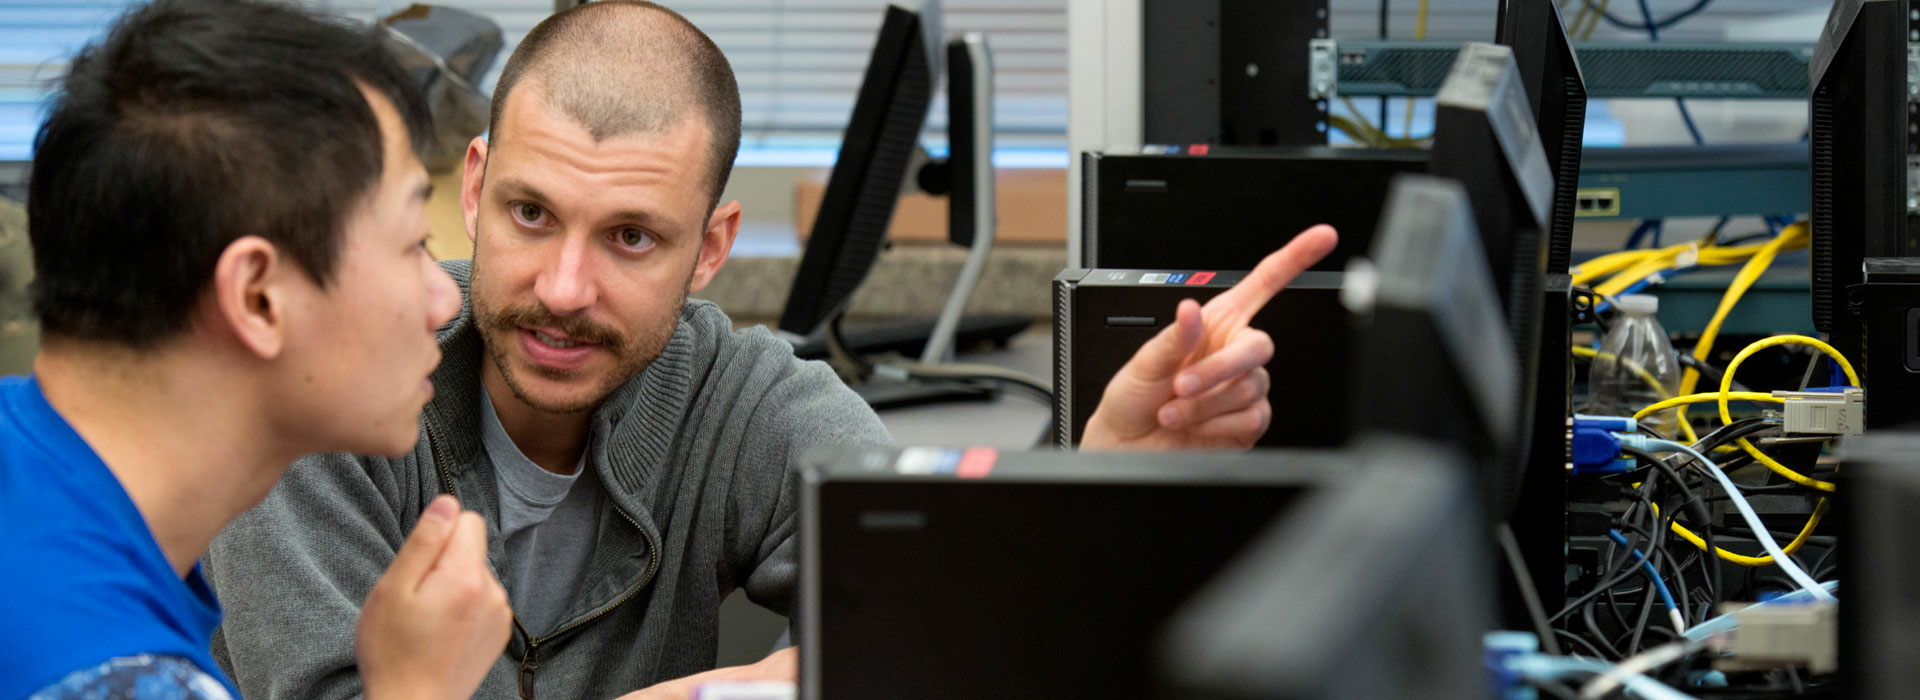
[{"x": 1011, "y": 422}]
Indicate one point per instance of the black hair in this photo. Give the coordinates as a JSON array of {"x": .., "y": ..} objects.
[{"x": 193, "y": 123}]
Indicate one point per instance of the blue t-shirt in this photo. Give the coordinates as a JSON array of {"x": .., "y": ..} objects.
[{"x": 86, "y": 583}]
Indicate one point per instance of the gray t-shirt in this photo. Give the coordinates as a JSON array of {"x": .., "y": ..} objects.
[{"x": 548, "y": 523}]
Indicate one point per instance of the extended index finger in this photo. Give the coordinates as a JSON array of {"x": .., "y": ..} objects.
[{"x": 1239, "y": 304}]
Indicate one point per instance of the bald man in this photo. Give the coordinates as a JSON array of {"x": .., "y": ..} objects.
[{"x": 631, "y": 452}]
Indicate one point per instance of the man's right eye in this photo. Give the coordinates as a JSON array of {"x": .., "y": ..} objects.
[{"x": 528, "y": 213}]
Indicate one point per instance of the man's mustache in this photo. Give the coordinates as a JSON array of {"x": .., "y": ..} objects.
[{"x": 578, "y": 328}]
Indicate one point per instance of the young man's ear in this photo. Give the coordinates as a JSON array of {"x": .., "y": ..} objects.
[
  {"x": 476, "y": 168},
  {"x": 716, "y": 244},
  {"x": 250, "y": 295}
]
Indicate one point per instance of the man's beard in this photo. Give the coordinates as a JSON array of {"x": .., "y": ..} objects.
[{"x": 632, "y": 355}]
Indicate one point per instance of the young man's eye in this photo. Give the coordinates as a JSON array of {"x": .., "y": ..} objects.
[
  {"x": 528, "y": 213},
  {"x": 634, "y": 238}
]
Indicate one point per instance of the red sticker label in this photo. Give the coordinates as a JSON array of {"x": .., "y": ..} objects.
[
  {"x": 976, "y": 462},
  {"x": 1199, "y": 278}
]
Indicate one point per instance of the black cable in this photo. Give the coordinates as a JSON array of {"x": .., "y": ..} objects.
[
  {"x": 1640, "y": 627},
  {"x": 1695, "y": 507},
  {"x": 1593, "y": 627},
  {"x": 1670, "y": 634},
  {"x": 1707, "y": 371},
  {"x": 1624, "y": 557},
  {"x": 1662, "y": 23},
  {"x": 1510, "y": 549},
  {"x": 1653, "y": 34},
  {"x": 1747, "y": 238},
  {"x": 1713, "y": 234},
  {"x": 1656, "y": 555},
  {"x": 1821, "y": 563},
  {"x": 838, "y": 348},
  {"x": 1044, "y": 393},
  {"x": 1624, "y": 574},
  {"x": 1554, "y": 688},
  {"x": 1631, "y": 565},
  {"x": 1733, "y": 431},
  {"x": 1682, "y": 595},
  {"x": 1613, "y": 609},
  {"x": 1674, "y": 568},
  {"x": 1657, "y": 559},
  {"x": 1592, "y": 650}
]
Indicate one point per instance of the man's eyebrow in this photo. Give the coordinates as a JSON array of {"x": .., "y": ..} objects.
[
  {"x": 516, "y": 189},
  {"x": 644, "y": 218}
]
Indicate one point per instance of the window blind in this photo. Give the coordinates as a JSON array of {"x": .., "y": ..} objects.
[{"x": 798, "y": 62}]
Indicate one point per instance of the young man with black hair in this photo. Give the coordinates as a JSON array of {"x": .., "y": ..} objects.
[
  {"x": 631, "y": 451},
  {"x": 227, "y": 227}
]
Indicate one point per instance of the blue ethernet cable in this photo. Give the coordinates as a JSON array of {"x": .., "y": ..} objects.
[{"x": 1659, "y": 586}]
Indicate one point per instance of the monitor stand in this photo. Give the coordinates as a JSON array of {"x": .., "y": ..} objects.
[
  {"x": 971, "y": 223},
  {"x": 909, "y": 336}
]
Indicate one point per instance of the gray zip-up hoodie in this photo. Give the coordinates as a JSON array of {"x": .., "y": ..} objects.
[{"x": 695, "y": 454}]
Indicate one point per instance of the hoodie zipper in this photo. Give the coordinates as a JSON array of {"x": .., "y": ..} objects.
[{"x": 530, "y": 664}]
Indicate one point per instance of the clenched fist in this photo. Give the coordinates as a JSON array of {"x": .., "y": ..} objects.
[{"x": 438, "y": 619}]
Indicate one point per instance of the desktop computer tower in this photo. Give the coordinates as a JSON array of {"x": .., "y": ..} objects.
[
  {"x": 1222, "y": 208},
  {"x": 1102, "y": 316}
]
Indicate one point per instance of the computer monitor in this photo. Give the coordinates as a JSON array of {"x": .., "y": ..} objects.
[
  {"x": 881, "y": 137},
  {"x": 939, "y": 574},
  {"x": 1864, "y": 181},
  {"x": 849, "y": 230},
  {"x": 1485, "y": 138},
  {"x": 1374, "y": 587},
  {"x": 1557, "y": 92},
  {"x": 1425, "y": 285}
]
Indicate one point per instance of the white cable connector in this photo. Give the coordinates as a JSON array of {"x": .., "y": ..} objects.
[
  {"x": 1785, "y": 635},
  {"x": 1825, "y": 412}
]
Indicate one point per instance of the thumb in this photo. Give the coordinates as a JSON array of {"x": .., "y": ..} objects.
[
  {"x": 423, "y": 547},
  {"x": 466, "y": 550},
  {"x": 1166, "y": 351}
]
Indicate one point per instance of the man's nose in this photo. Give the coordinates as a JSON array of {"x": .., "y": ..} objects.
[{"x": 566, "y": 282}]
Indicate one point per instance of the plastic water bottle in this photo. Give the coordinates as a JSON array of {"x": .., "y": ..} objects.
[{"x": 1635, "y": 367}]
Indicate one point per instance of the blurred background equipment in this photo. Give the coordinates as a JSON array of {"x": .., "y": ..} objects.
[{"x": 447, "y": 51}]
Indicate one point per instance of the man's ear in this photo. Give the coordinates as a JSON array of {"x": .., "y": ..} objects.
[
  {"x": 250, "y": 295},
  {"x": 716, "y": 244},
  {"x": 470, "y": 178}
]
